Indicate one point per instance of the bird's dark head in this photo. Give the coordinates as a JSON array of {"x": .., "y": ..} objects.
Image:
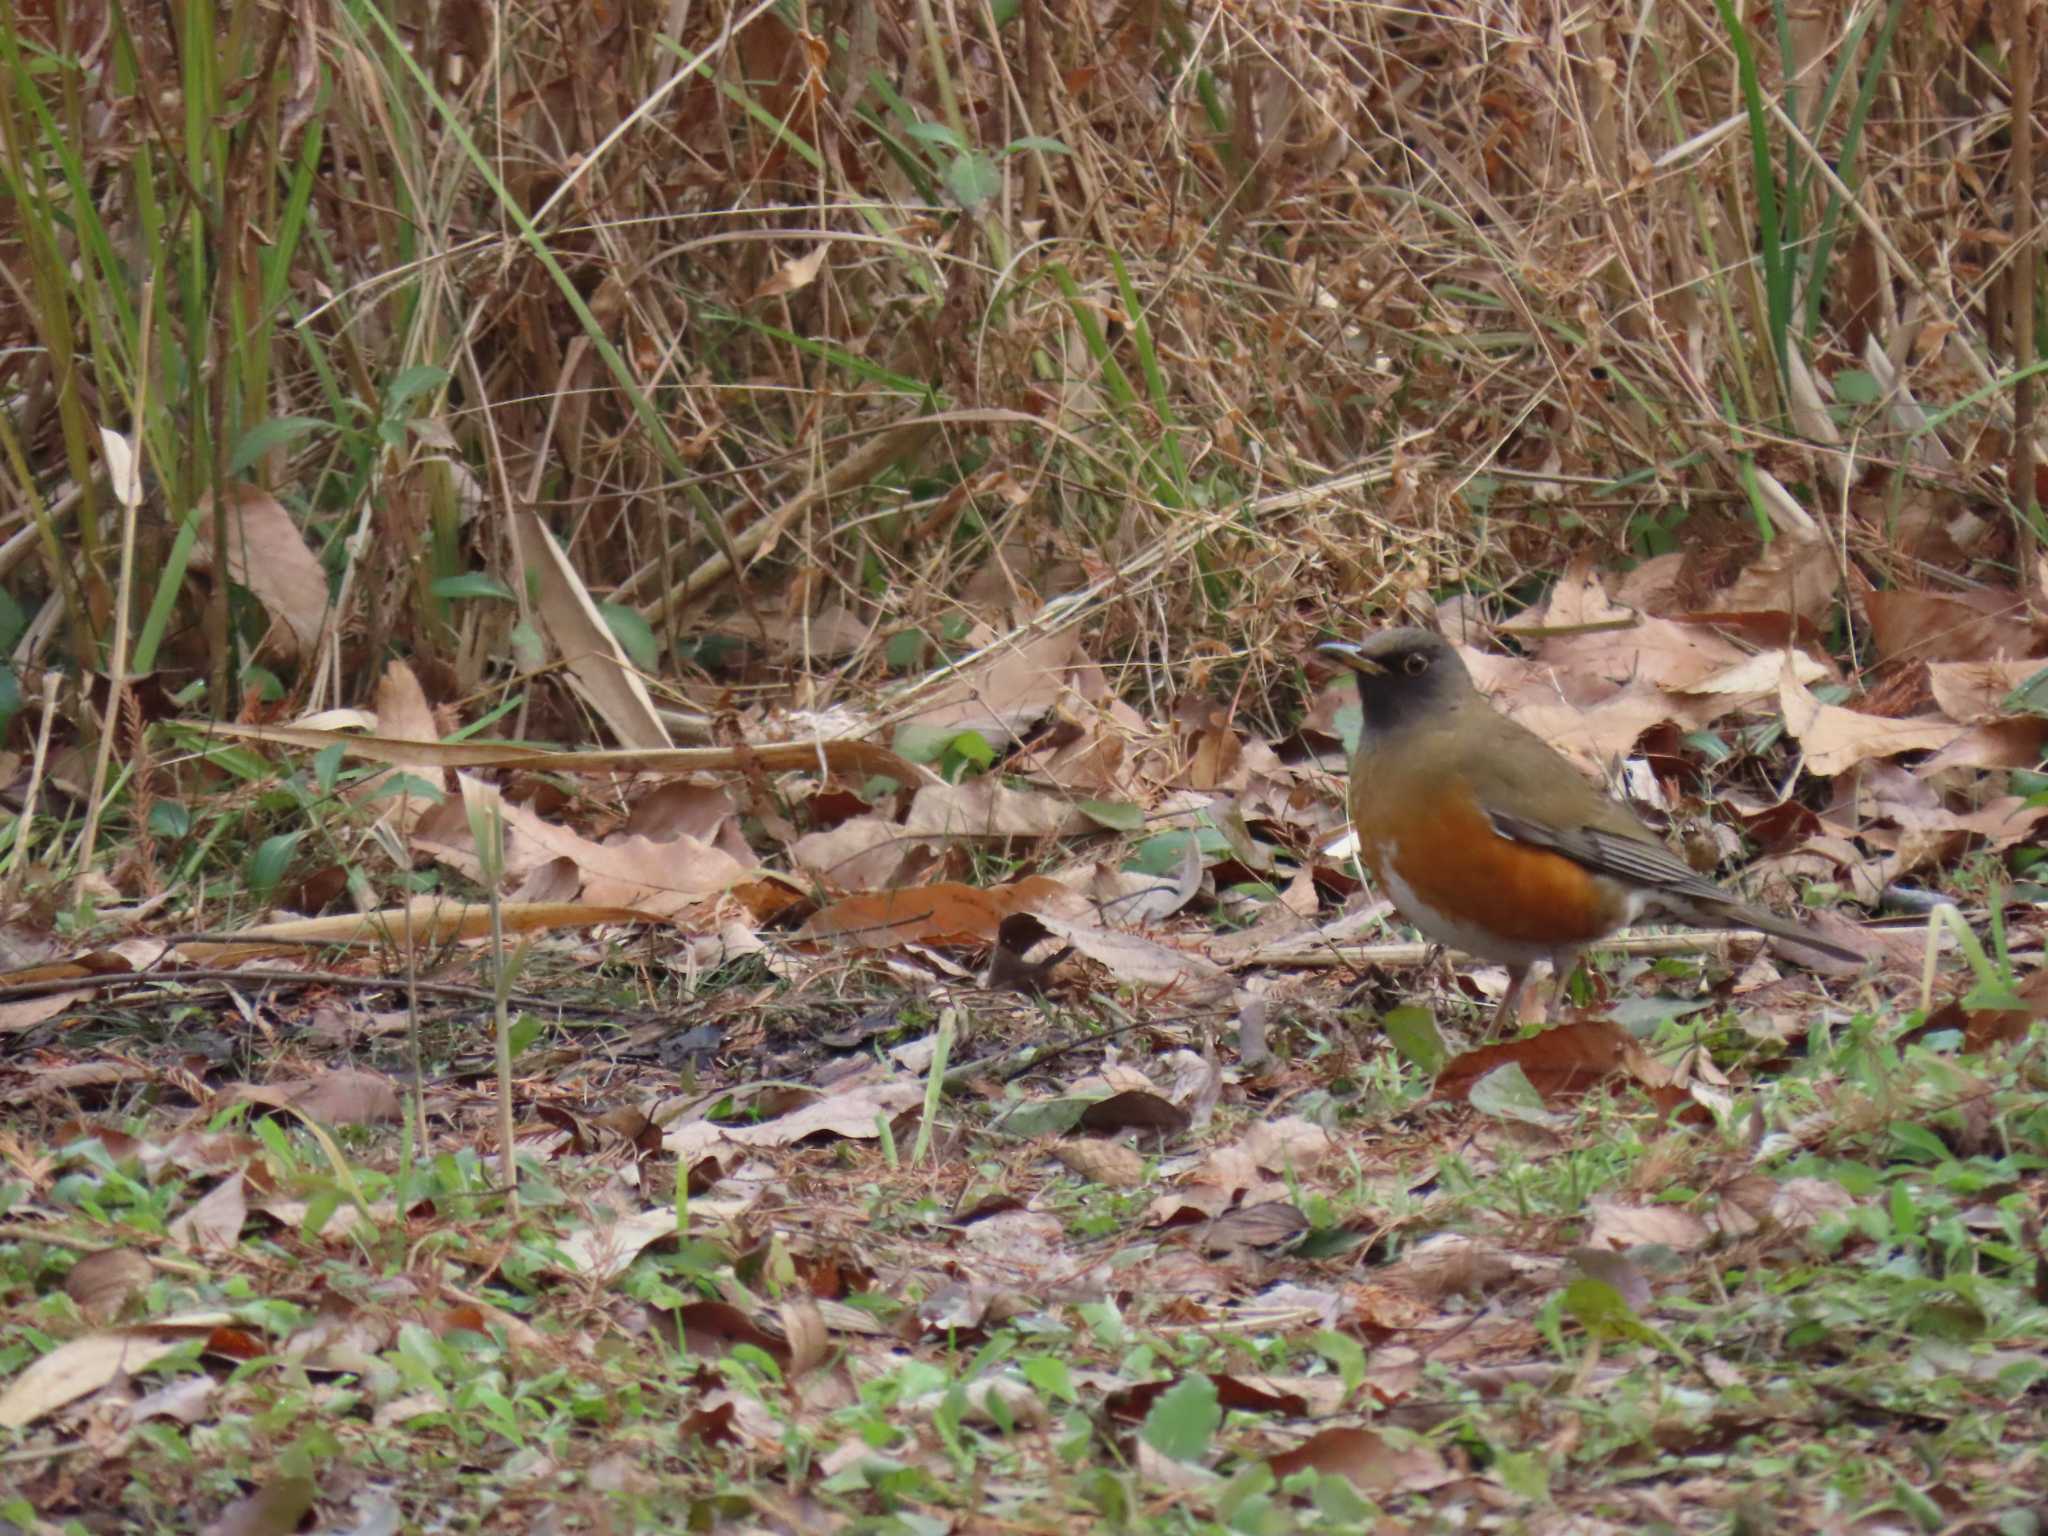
[{"x": 1403, "y": 675}]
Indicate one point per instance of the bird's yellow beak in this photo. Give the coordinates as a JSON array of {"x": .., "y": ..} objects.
[{"x": 1349, "y": 657}]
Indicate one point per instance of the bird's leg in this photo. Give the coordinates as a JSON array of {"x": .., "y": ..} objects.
[
  {"x": 1562, "y": 964},
  {"x": 1508, "y": 1012}
]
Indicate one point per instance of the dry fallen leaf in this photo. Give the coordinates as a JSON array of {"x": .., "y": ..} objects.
[
  {"x": 268, "y": 555},
  {"x": 945, "y": 913},
  {"x": 1835, "y": 738},
  {"x": 342, "y": 1096},
  {"x": 1563, "y": 1062}
]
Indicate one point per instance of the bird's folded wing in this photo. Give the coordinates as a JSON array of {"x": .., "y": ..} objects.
[
  {"x": 1633, "y": 859},
  {"x": 1653, "y": 867}
]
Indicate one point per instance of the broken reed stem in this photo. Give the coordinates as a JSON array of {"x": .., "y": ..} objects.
[{"x": 2022, "y": 276}]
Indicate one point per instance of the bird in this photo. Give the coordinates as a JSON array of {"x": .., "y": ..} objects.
[{"x": 1489, "y": 840}]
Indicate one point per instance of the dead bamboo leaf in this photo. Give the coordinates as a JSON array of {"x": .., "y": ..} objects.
[
  {"x": 843, "y": 756},
  {"x": 596, "y": 661},
  {"x": 268, "y": 555}
]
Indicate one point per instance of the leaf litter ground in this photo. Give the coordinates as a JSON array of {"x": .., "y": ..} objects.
[{"x": 908, "y": 1146}]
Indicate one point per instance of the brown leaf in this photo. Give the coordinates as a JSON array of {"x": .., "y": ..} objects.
[
  {"x": 1132, "y": 958},
  {"x": 603, "y": 1253},
  {"x": 1368, "y": 1459},
  {"x": 592, "y": 654},
  {"x": 403, "y": 714},
  {"x": 1835, "y": 738},
  {"x": 83, "y": 1365},
  {"x": 214, "y": 1225},
  {"x": 624, "y": 872},
  {"x": 1107, "y": 1163},
  {"x": 945, "y": 913},
  {"x": 103, "y": 1283},
  {"x": 1618, "y": 1225},
  {"x": 797, "y": 273},
  {"x": 342, "y": 1096},
  {"x": 986, "y": 807},
  {"x": 854, "y": 1114},
  {"x": 272, "y": 1510},
  {"x": 1974, "y": 692},
  {"x": 268, "y": 555},
  {"x": 1564, "y": 1062},
  {"x": 1001, "y": 694},
  {"x": 1135, "y": 1110}
]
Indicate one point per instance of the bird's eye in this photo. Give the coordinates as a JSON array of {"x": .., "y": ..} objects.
[{"x": 1415, "y": 663}]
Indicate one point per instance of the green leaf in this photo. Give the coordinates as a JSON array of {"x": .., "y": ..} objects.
[
  {"x": 1599, "y": 1308},
  {"x": 327, "y": 766},
  {"x": 525, "y": 1030},
  {"x": 267, "y": 865},
  {"x": 1855, "y": 387},
  {"x": 401, "y": 785},
  {"x": 169, "y": 818},
  {"x": 1162, "y": 854},
  {"x": 266, "y": 435},
  {"x": 1049, "y": 1378},
  {"x": 1507, "y": 1094},
  {"x": 1184, "y": 1419},
  {"x": 1525, "y": 1474},
  {"x": 1344, "y": 1352},
  {"x": 470, "y": 584},
  {"x": 634, "y": 634},
  {"x": 1030, "y": 1118},
  {"x": 1415, "y": 1036},
  {"x": 1037, "y": 141},
  {"x": 923, "y": 743},
  {"x": 967, "y": 749},
  {"x": 12, "y": 620},
  {"x": 973, "y": 180},
  {"x": 412, "y": 381},
  {"x": 1116, "y": 815},
  {"x": 906, "y": 649},
  {"x": 935, "y": 133}
]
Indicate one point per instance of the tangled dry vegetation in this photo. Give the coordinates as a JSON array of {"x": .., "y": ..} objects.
[{"x": 708, "y": 604}]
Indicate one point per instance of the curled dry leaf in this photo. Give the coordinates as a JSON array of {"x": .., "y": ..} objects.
[
  {"x": 986, "y": 807},
  {"x": 1145, "y": 962},
  {"x": 1620, "y": 1225},
  {"x": 343, "y": 1096},
  {"x": 626, "y": 872},
  {"x": 1368, "y": 1459},
  {"x": 856, "y": 1114},
  {"x": 1108, "y": 1163},
  {"x": 103, "y": 1283},
  {"x": 1835, "y": 738},
  {"x": 865, "y": 853},
  {"x": 1569, "y": 1060},
  {"x": 603, "y": 1253},
  {"x": 84, "y": 1365},
  {"x": 945, "y": 913},
  {"x": 595, "y": 660},
  {"x": 214, "y": 1225},
  {"x": 268, "y": 555},
  {"x": 1002, "y": 694}
]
